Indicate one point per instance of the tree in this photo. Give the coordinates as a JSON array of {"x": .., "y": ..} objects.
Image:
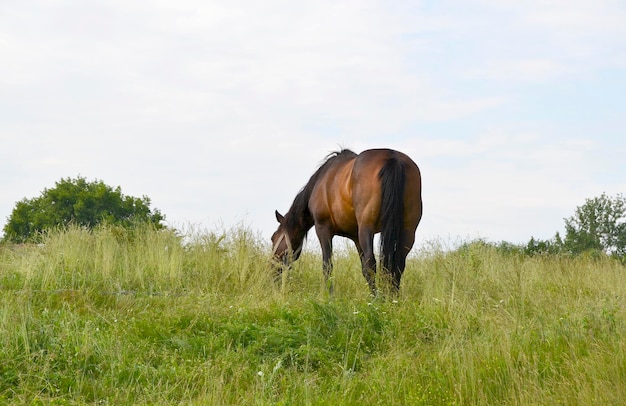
[
  {"x": 598, "y": 225},
  {"x": 538, "y": 247},
  {"x": 77, "y": 201}
]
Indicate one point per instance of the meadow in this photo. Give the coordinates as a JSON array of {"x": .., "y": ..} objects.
[{"x": 111, "y": 316}]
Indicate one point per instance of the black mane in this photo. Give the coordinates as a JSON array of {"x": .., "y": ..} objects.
[{"x": 299, "y": 218}]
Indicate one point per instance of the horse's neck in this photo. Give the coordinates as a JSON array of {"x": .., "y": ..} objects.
[{"x": 300, "y": 227}]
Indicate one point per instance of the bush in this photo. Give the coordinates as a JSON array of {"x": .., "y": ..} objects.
[{"x": 78, "y": 202}]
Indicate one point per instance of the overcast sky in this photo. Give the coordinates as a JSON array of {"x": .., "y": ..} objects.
[{"x": 219, "y": 111}]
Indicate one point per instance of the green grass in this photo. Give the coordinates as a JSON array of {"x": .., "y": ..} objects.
[{"x": 114, "y": 317}]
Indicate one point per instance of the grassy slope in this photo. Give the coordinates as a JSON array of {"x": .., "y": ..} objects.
[{"x": 108, "y": 317}]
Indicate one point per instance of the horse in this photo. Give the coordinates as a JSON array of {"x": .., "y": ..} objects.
[{"x": 356, "y": 196}]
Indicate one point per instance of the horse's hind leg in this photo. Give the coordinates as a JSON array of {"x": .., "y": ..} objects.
[
  {"x": 365, "y": 247},
  {"x": 408, "y": 239}
]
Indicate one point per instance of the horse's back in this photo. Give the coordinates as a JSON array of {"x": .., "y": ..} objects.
[
  {"x": 349, "y": 195},
  {"x": 367, "y": 187}
]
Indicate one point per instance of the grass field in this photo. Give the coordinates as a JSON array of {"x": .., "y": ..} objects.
[{"x": 112, "y": 317}]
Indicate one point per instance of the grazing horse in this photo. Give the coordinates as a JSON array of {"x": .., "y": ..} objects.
[{"x": 356, "y": 196}]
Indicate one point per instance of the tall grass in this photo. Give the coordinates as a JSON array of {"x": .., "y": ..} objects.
[{"x": 151, "y": 317}]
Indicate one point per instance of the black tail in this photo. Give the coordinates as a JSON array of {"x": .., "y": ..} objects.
[{"x": 392, "y": 177}]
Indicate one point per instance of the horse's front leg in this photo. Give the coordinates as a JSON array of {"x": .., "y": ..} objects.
[{"x": 326, "y": 241}]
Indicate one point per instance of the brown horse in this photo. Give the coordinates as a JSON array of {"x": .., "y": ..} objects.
[{"x": 356, "y": 196}]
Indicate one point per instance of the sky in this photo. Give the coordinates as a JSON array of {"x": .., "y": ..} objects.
[{"x": 219, "y": 111}]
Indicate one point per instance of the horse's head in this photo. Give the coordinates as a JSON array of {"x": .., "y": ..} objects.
[{"x": 285, "y": 248}]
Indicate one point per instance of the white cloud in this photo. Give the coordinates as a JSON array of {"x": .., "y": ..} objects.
[
  {"x": 501, "y": 185},
  {"x": 532, "y": 70}
]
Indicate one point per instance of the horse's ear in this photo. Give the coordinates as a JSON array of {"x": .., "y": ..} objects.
[{"x": 279, "y": 217}]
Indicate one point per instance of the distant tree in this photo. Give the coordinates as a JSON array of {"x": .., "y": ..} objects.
[
  {"x": 538, "y": 247},
  {"x": 509, "y": 248},
  {"x": 598, "y": 225},
  {"x": 77, "y": 201}
]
